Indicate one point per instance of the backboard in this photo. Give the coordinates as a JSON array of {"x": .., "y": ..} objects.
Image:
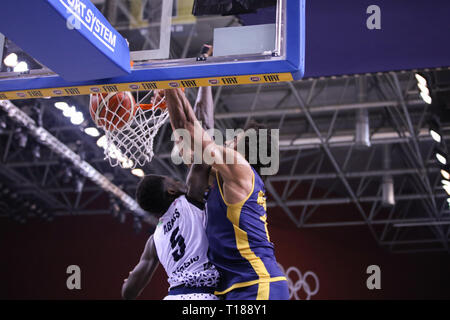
[
  {"x": 249, "y": 47},
  {"x": 157, "y": 30}
]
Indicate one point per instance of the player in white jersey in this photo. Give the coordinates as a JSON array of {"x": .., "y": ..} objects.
[
  {"x": 179, "y": 241},
  {"x": 182, "y": 248}
]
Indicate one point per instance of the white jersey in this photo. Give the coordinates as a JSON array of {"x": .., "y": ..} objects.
[{"x": 182, "y": 246}]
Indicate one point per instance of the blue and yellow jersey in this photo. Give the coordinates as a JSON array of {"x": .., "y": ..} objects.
[{"x": 239, "y": 243}]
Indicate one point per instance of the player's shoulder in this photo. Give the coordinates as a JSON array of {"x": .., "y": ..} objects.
[
  {"x": 176, "y": 213},
  {"x": 176, "y": 207},
  {"x": 188, "y": 204},
  {"x": 184, "y": 205},
  {"x": 180, "y": 204}
]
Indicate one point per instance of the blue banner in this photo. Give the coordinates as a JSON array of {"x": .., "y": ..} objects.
[
  {"x": 71, "y": 37},
  {"x": 359, "y": 36}
]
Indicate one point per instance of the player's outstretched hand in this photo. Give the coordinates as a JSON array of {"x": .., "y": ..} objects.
[{"x": 158, "y": 96}]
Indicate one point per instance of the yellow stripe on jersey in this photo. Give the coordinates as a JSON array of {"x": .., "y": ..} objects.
[
  {"x": 243, "y": 245},
  {"x": 264, "y": 220},
  {"x": 263, "y": 291},
  {"x": 249, "y": 283}
]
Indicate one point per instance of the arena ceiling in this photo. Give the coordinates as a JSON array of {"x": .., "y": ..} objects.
[{"x": 326, "y": 164}]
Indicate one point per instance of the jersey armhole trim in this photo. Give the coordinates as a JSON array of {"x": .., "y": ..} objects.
[
  {"x": 195, "y": 203},
  {"x": 240, "y": 203}
]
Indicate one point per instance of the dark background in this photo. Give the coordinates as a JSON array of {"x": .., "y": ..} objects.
[
  {"x": 411, "y": 36},
  {"x": 34, "y": 258}
]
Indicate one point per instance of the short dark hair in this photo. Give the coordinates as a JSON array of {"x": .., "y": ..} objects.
[
  {"x": 152, "y": 195},
  {"x": 257, "y": 127}
]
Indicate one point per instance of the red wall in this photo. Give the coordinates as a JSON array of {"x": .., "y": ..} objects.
[{"x": 34, "y": 258}]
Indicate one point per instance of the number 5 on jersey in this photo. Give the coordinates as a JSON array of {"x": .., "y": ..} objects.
[{"x": 175, "y": 240}]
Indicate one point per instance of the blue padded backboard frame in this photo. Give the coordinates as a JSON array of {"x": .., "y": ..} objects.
[
  {"x": 293, "y": 63},
  {"x": 75, "y": 41}
]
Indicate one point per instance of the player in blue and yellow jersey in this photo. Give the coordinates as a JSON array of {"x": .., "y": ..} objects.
[{"x": 239, "y": 243}]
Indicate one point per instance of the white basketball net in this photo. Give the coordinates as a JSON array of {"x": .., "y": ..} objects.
[{"x": 128, "y": 140}]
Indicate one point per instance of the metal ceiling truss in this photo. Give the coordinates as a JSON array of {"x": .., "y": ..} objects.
[
  {"x": 317, "y": 153},
  {"x": 419, "y": 171},
  {"x": 323, "y": 170}
]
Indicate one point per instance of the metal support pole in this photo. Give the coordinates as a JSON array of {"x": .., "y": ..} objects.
[
  {"x": 2, "y": 46},
  {"x": 387, "y": 185},
  {"x": 362, "y": 132}
]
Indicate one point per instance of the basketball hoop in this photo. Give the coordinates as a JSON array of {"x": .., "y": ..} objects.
[{"x": 130, "y": 126}]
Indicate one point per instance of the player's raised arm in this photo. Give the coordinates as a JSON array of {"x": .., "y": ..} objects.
[
  {"x": 204, "y": 107},
  {"x": 198, "y": 177},
  {"x": 142, "y": 273},
  {"x": 232, "y": 166}
]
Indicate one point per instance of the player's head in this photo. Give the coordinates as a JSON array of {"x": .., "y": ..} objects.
[
  {"x": 251, "y": 146},
  {"x": 156, "y": 193}
]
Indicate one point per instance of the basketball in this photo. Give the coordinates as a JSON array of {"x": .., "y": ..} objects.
[{"x": 112, "y": 111}]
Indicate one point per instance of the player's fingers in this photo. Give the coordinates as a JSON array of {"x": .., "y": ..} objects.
[
  {"x": 157, "y": 93},
  {"x": 158, "y": 97},
  {"x": 157, "y": 100},
  {"x": 210, "y": 50},
  {"x": 180, "y": 93},
  {"x": 170, "y": 93}
]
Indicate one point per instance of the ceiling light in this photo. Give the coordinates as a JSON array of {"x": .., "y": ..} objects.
[
  {"x": 138, "y": 173},
  {"x": 441, "y": 158},
  {"x": 424, "y": 89},
  {"x": 127, "y": 164},
  {"x": 426, "y": 98},
  {"x": 70, "y": 112},
  {"x": 421, "y": 79},
  {"x": 101, "y": 142},
  {"x": 93, "y": 132},
  {"x": 36, "y": 152},
  {"x": 447, "y": 189},
  {"x": 11, "y": 60},
  {"x": 77, "y": 118},
  {"x": 445, "y": 174},
  {"x": 436, "y": 136},
  {"x": 21, "y": 67},
  {"x": 61, "y": 106}
]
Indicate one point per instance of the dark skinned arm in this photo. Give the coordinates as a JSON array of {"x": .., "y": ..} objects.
[
  {"x": 142, "y": 273},
  {"x": 198, "y": 176}
]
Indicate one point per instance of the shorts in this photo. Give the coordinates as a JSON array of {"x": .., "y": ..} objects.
[
  {"x": 182, "y": 292},
  {"x": 192, "y": 296},
  {"x": 277, "y": 290}
]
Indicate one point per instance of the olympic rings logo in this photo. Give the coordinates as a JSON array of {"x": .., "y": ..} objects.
[{"x": 301, "y": 283}]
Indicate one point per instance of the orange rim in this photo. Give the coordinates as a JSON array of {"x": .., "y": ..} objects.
[{"x": 150, "y": 106}]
